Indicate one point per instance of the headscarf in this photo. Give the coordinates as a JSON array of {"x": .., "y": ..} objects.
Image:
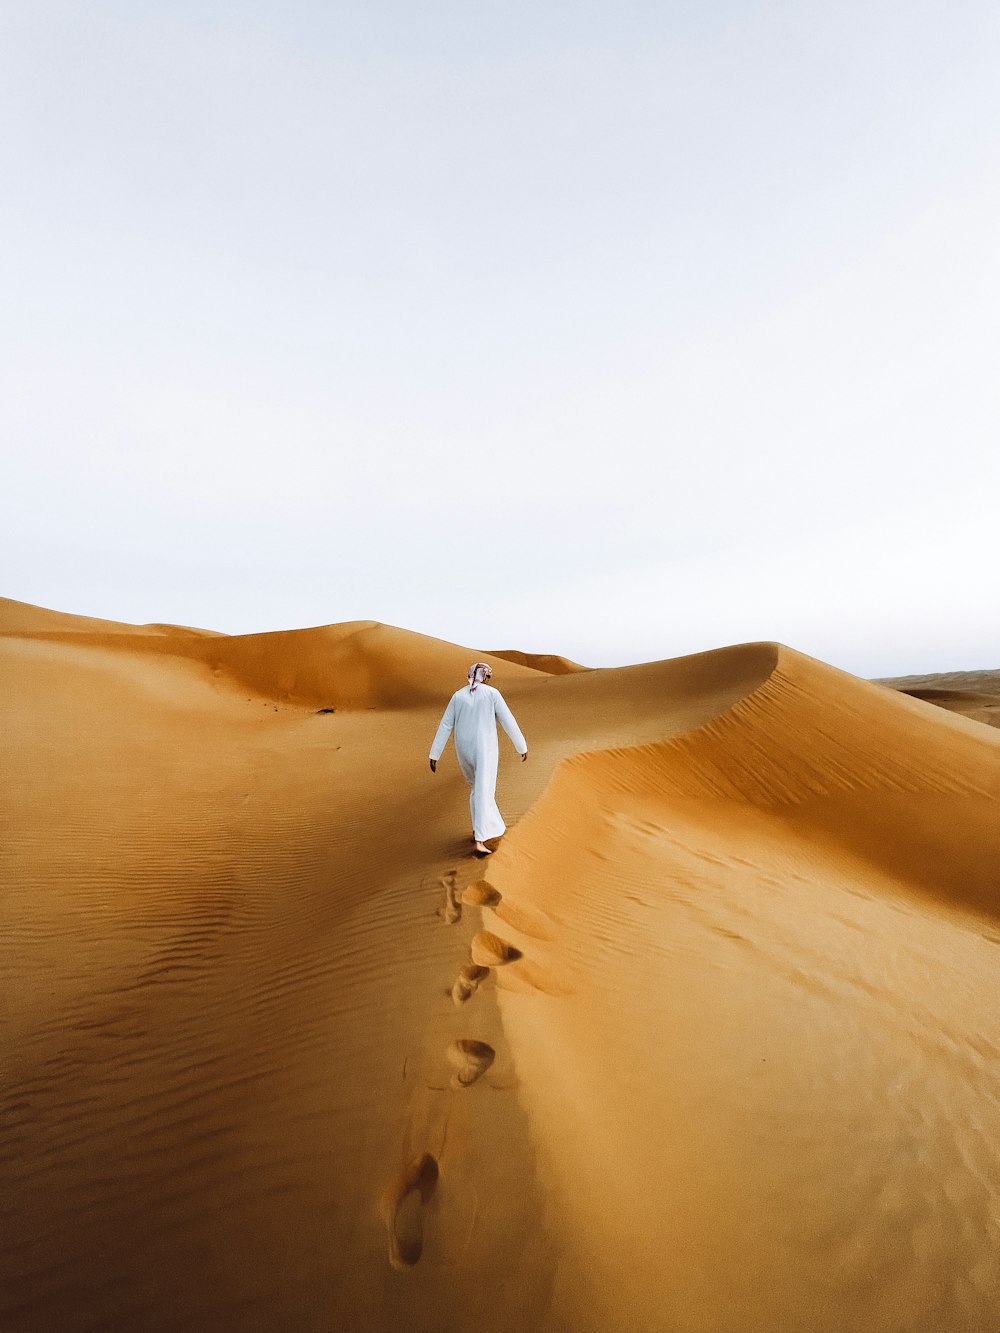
[{"x": 478, "y": 672}]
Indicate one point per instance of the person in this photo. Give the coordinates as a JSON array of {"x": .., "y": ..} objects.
[{"x": 473, "y": 713}]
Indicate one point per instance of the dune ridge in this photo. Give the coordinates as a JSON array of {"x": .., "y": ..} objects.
[
  {"x": 355, "y": 664},
  {"x": 708, "y": 1043},
  {"x": 790, "y": 998},
  {"x": 551, "y": 663}
]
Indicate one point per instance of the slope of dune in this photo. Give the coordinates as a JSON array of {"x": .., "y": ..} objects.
[
  {"x": 710, "y": 1043},
  {"x": 353, "y": 665},
  {"x": 25, "y": 618},
  {"x": 551, "y": 663},
  {"x": 754, "y": 941}
]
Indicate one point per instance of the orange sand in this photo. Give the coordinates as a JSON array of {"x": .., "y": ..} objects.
[{"x": 712, "y": 1042}]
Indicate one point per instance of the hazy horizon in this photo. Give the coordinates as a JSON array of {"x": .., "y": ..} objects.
[{"x": 621, "y": 334}]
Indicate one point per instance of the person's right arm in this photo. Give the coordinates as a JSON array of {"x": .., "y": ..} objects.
[{"x": 443, "y": 732}]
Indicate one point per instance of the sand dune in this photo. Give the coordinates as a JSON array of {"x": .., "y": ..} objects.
[
  {"x": 710, "y": 1043},
  {"x": 356, "y": 665},
  {"x": 973, "y": 694},
  {"x": 551, "y": 663},
  {"x": 25, "y": 618}
]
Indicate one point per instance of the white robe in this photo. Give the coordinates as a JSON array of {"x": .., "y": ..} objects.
[{"x": 474, "y": 716}]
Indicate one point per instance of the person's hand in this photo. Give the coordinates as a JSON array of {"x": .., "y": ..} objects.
[
  {"x": 524, "y": 756},
  {"x": 434, "y": 765}
]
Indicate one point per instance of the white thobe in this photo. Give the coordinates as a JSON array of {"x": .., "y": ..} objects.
[{"x": 474, "y": 715}]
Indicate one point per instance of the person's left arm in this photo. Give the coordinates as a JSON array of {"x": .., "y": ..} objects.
[
  {"x": 445, "y": 727},
  {"x": 506, "y": 719}
]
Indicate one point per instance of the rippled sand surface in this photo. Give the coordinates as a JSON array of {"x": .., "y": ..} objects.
[{"x": 711, "y": 1042}]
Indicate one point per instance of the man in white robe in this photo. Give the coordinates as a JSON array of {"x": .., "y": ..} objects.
[{"x": 473, "y": 713}]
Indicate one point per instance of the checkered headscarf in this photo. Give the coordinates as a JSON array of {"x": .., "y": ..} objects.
[{"x": 479, "y": 671}]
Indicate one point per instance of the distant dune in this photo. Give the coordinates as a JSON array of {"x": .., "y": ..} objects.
[
  {"x": 24, "y": 618},
  {"x": 359, "y": 664},
  {"x": 551, "y": 663},
  {"x": 974, "y": 694},
  {"x": 710, "y": 1044}
]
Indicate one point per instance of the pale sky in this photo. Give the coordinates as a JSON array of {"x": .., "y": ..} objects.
[{"x": 619, "y": 330}]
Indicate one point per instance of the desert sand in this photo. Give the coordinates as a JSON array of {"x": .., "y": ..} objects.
[
  {"x": 974, "y": 694},
  {"x": 711, "y": 1042}
]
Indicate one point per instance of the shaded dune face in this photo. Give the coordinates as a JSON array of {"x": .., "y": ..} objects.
[{"x": 713, "y": 1046}]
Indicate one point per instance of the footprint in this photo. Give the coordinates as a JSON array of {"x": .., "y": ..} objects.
[
  {"x": 481, "y": 894},
  {"x": 452, "y": 910},
  {"x": 406, "y": 1224},
  {"x": 467, "y": 982},
  {"x": 470, "y": 1060},
  {"x": 489, "y": 950}
]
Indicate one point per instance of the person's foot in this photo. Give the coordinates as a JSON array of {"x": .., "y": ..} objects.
[{"x": 482, "y": 849}]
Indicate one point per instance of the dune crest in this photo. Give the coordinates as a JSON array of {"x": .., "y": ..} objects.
[
  {"x": 551, "y": 663},
  {"x": 26, "y": 618}
]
